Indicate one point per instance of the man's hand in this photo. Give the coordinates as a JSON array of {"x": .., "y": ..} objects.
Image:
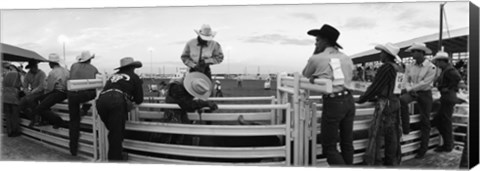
[
  {"x": 213, "y": 106},
  {"x": 312, "y": 79}
]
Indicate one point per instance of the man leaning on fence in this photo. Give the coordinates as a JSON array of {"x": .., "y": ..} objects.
[
  {"x": 80, "y": 70},
  {"x": 190, "y": 93},
  {"x": 338, "y": 107},
  {"x": 418, "y": 83},
  {"x": 55, "y": 93},
  {"x": 385, "y": 126},
  {"x": 121, "y": 92},
  {"x": 447, "y": 85}
]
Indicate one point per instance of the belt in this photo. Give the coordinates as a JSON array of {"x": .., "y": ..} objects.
[
  {"x": 336, "y": 94},
  {"x": 115, "y": 90},
  {"x": 79, "y": 91}
]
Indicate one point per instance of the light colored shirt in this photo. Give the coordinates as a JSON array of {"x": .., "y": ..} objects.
[
  {"x": 419, "y": 77},
  {"x": 57, "y": 79},
  {"x": 82, "y": 71},
  {"x": 321, "y": 65},
  {"x": 212, "y": 53},
  {"x": 34, "y": 82}
]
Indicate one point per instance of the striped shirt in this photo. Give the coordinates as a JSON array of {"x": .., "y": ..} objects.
[{"x": 382, "y": 85}]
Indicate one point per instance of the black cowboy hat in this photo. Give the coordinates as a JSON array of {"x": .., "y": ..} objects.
[{"x": 328, "y": 32}]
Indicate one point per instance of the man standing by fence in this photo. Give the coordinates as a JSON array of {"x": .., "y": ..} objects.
[
  {"x": 418, "y": 83},
  {"x": 117, "y": 98},
  {"x": 447, "y": 85},
  {"x": 80, "y": 70},
  {"x": 339, "y": 106}
]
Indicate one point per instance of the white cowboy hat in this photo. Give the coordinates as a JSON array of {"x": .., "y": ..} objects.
[
  {"x": 390, "y": 49},
  {"x": 53, "y": 57},
  {"x": 441, "y": 55},
  {"x": 205, "y": 32},
  {"x": 85, "y": 56},
  {"x": 419, "y": 46},
  {"x": 128, "y": 61},
  {"x": 198, "y": 85}
]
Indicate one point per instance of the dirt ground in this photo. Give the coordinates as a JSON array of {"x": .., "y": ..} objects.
[{"x": 23, "y": 149}]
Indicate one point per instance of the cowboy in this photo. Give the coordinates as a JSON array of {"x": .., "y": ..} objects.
[
  {"x": 385, "y": 126},
  {"x": 55, "y": 92},
  {"x": 190, "y": 93},
  {"x": 80, "y": 70},
  {"x": 203, "y": 51},
  {"x": 12, "y": 84},
  {"x": 122, "y": 91},
  {"x": 417, "y": 83},
  {"x": 329, "y": 63},
  {"x": 447, "y": 85},
  {"x": 32, "y": 87}
]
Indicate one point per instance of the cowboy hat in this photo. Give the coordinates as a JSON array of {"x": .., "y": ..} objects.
[
  {"x": 328, "y": 32},
  {"x": 419, "y": 46},
  {"x": 31, "y": 63},
  {"x": 198, "y": 85},
  {"x": 205, "y": 32},
  {"x": 53, "y": 57},
  {"x": 441, "y": 55},
  {"x": 128, "y": 61},
  {"x": 390, "y": 49},
  {"x": 85, "y": 56}
]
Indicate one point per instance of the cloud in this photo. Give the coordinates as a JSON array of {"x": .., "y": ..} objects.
[
  {"x": 360, "y": 23},
  {"x": 407, "y": 14},
  {"x": 277, "y": 38},
  {"x": 305, "y": 16}
]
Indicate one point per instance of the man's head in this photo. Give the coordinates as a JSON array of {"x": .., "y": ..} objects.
[
  {"x": 388, "y": 52},
  {"x": 205, "y": 32},
  {"x": 33, "y": 66},
  {"x": 325, "y": 37},
  {"x": 418, "y": 51},
  {"x": 53, "y": 60},
  {"x": 441, "y": 60}
]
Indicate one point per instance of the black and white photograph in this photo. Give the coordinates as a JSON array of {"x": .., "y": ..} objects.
[{"x": 372, "y": 85}]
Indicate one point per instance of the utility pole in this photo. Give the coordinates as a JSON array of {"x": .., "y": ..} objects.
[{"x": 441, "y": 27}]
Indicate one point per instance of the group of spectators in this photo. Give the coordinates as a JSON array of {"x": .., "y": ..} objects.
[{"x": 393, "y": 88}]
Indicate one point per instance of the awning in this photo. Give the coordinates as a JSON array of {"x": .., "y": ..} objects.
[
  {"x": 13, "y": 53},
  {"x": 456, "y": 42}
]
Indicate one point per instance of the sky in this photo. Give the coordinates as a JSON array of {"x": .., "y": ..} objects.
[{"x": 254, "y": 38}]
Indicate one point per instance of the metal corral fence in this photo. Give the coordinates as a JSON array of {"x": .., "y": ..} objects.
[
  {"x": 295, "y": 91},
  {"x": 293, "y": 116}
]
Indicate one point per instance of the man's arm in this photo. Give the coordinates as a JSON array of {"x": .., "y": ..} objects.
[
  {"x": 40, "y": 87},
  {"x": 217, "y": 55},
  {"x": 454, "y": 78},
  {"x": 186, "y": 59}
]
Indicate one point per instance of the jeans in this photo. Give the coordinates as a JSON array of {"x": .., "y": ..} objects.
[
  {"x": 12, "y": 118},
  {"x": 337, "y": 118},
  {"x": 425, "y": 101},
  {"x": 111, "y": 107},
  {"x": 74, "y": 100},
  {"x": 443, "y": 120},
  {"x": 47, "y": 101}
]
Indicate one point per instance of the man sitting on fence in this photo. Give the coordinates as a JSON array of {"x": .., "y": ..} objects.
[
  {"x": 32, "y": 87},
  {"x": 339, "y": 107},
  {"x": 122, "y": 90},
  {"x": 80, "y": 70},
  {"x": 55, "y": 92},
  {"x": 183, "y": 92}
]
